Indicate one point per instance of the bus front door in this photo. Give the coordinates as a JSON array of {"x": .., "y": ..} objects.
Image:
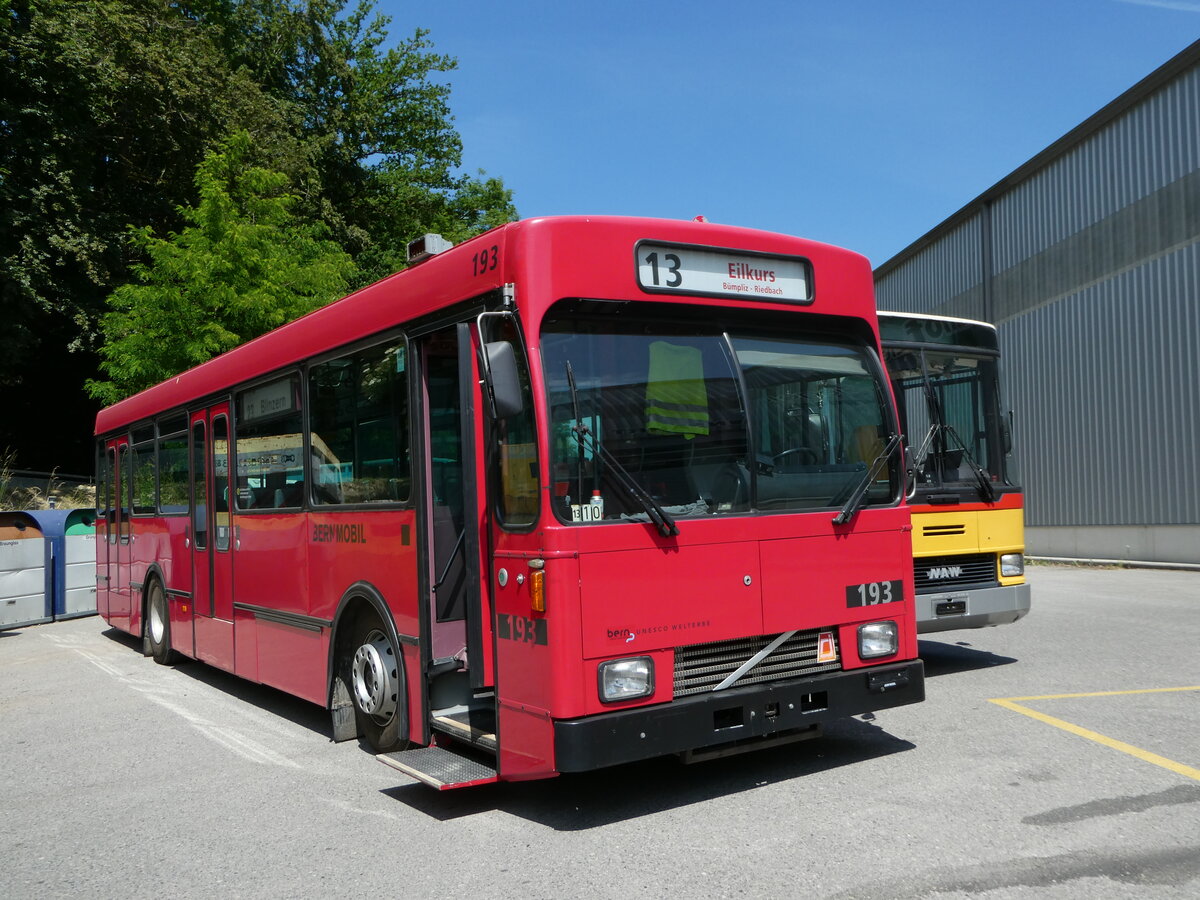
[
  {"x": 212, "y": 538},
  {"x": 457, "y": 663}
]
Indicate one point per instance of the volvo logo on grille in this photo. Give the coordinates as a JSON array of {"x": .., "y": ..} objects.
[{"x": 940, "y": 573}]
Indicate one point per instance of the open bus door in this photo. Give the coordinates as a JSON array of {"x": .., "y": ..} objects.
[
  {"x": 496, "y": 458},
  {"x": 456, "y": 648},
  {"x": 459, "y": 654}
]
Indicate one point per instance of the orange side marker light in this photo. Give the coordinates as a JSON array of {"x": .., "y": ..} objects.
[
  {"x": 537, "y": 591},
  {"x": 826, "y": 648}
]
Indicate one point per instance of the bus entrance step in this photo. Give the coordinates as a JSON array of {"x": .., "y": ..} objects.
[
  {"x": 473, "y": 726},
  {"x": 440, "y": 767}
]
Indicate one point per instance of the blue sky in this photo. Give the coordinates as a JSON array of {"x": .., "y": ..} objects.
[{"x": 862, "y": 123}]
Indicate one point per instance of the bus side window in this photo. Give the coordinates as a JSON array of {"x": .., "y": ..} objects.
[
  {"x": 220, "y": 450},
  {"x": 144, "y": 472},
  {"x": 199, "y": 488},
  {"x": 172, "y": 466},
  {"x": 104, "y": 492},
  {"x": 268, "y": 446},
  {"x": 358, "y": 424}
]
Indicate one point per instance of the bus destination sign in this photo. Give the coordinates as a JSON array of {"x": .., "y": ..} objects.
[{"x": 715, "y": 272}]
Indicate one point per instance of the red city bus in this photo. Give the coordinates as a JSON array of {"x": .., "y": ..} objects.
[{"x": 577, "y": 492}]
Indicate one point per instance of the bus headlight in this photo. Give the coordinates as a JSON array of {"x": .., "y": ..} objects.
[
  {"x": 626, "y": 679},
  {"x": 877, "y": 639},
  {"x": 1012, "y": 564}
]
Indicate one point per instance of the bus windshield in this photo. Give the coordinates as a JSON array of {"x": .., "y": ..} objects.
[
  {"x": 951, "y": 402},
  {"x": 653, "y": 408}
]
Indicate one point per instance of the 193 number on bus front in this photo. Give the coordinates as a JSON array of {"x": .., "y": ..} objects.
[{"x": 874, "y": 593}]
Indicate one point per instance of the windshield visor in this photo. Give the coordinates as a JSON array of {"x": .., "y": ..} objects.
[{"x": 705, "y": 419}]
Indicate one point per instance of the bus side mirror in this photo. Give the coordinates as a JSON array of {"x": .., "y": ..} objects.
[
  {"x": 1006, "y": 423},
  {"x": 503, "y": 379}
]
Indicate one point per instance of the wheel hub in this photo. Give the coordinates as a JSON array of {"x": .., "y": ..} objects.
[
  {"x": 374, "y": 677},
  {"x": 157, "y": 626}
]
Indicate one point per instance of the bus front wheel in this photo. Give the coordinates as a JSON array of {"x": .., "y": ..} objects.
[{"x": 376, "y": 686}]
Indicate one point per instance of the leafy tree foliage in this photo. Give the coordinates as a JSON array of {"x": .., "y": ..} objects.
[
  {"x": 102, "y": 105},
  {"x": 107, "y": 109},
  {"x": 242, "y": 266},
  {"x": 376, "y": 122}
]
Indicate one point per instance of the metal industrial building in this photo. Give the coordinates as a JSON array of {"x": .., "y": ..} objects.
[{"x": 1087, "y": 258}]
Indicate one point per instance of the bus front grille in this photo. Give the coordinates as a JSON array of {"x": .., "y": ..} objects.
[
  {"x": 701, "y": 667},
  {"x": 943, "y": 573}
]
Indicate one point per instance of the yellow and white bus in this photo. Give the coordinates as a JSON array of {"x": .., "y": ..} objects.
[{"x": 966, "y": 499}]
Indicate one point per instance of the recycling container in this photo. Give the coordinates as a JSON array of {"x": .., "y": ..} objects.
[
  {"x": 70, "y": 560},
  {"x": 24, "y": 599}
]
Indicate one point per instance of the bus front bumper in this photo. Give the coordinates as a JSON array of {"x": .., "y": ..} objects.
[
  {"x": 732, "y": 716},
  {"x": 971, "y": 608}
]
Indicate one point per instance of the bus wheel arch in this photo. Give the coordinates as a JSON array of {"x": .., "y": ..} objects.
[{"x": 367, "y": 687}]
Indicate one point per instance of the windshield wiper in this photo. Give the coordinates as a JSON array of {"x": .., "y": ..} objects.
[
  {"x": 938, "y": 424},
  {"x": 855, "y": 501},
  {"x": 986, "y": 490},
  {"x": 659, "y": 516},
  {"x": 935, "y": 422}
]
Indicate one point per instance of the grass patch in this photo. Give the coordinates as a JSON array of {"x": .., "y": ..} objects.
[{"x": 53, "y": 493}]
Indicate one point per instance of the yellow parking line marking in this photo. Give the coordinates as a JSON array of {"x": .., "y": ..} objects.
[
  {"x": 1106, "y": 693},
  {"x": 1111, "y": 743}
]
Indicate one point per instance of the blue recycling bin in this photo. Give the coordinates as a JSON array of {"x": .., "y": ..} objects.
[
  {"x": 24, "y": 599},
  {"x": 70, "y": 560}
]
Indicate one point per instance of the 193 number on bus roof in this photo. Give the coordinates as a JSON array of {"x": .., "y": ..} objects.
[{"x": 717, "y": 272}]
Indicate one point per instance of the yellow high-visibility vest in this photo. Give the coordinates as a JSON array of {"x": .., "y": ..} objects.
[{"x": 676, "y": 400}]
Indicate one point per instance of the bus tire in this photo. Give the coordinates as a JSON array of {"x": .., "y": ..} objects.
[
  {"x": 158, "y": 625},
  {"x": 376, "y": 685}
]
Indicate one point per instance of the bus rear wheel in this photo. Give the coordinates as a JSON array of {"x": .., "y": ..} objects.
[
  {"x": 158, "y": 625},
  {"x": 376, "y": 686}
]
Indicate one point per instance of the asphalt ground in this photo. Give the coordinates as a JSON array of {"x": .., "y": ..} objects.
[{"x": 1057, "y": 757}]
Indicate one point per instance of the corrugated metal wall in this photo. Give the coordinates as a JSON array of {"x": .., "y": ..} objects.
[
  {"x": 1153, "y": 145},
  {"x": 945, "y": 275},
  {"x": 1090, "y": 266},
  {"x": 1106, "y": 388}
]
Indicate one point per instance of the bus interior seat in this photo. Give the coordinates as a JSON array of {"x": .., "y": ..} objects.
[{"x": 291, "y": 495}]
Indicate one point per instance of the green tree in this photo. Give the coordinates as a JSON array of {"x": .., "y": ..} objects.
[
  {"x": 244, "y": 264},
  {"x": 107, "y": 109},
  {"x": 375, "y": 118}
]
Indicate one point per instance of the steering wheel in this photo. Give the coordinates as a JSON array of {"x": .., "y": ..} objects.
[{"x": 808, "y": 457}]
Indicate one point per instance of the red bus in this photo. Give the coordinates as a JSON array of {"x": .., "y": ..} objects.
[{"x": 574, "y": 493}]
